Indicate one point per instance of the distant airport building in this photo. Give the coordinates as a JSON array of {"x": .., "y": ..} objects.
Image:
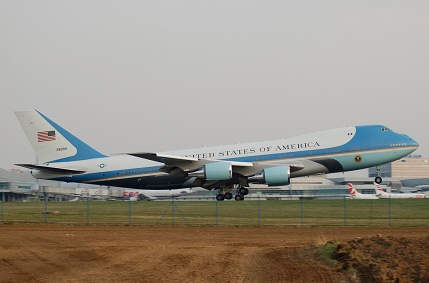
[
  {"x": 15, "y": 186},
  {"x": 404, "y": 168}
]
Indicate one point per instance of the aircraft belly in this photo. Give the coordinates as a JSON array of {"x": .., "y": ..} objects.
[
  {"x": 331, "y": 164},
  {"x": 311, "y": 167},
  {"x": 149, "y": 182}
]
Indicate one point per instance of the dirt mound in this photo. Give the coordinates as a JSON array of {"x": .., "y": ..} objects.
[{"x": 386, "y": 259}]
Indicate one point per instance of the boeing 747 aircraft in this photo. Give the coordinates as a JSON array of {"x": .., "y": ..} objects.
[{"x": 63, "y": 157}]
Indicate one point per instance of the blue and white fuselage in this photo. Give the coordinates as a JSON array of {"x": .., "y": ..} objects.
[{"x": 64, "y": 157}]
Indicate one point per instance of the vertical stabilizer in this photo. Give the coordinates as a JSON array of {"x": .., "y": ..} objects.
[
  {"x": 50, "y": 141},
  {"x": 379, "y": 190},
  {"x": 352, "y": 189}
]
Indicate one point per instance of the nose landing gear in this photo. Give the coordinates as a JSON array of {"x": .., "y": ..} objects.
[{"x": 378, "y": 179}]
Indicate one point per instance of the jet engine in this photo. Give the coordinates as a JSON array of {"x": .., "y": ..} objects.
[
  {"x": 218, "y": 171},
  {"x": 273, "y": 176}
]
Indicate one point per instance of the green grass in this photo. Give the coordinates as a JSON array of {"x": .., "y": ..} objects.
[
  {"x": 402, "y": 212},
  {"x": 326, "y": 251}
]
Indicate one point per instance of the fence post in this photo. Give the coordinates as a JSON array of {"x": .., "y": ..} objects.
[
  {"x": 87, "y": 208},
  {"x": 217, "y": 212},
  {"x": 389, "y": 210},
  {"x": 302, "y": 210},
  {"x": 45, "y": 196},
  {"x": 2, "y": 206},
  {"x": 129, "y": 211},
  {"x": 259, "y": 211},
  {"x": 172, "y": 210},
  {"x": 345, "y": 211}
]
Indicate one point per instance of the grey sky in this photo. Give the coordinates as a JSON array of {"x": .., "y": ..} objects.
[{"x": 128, "y": 76}]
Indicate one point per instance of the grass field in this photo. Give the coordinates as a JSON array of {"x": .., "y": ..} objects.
[{"x": 400, "y": 212}]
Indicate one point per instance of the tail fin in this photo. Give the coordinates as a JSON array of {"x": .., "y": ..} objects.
[
  {"x": 50, "y": 141},
  {"x": 378, "y": 189},
  {"x": 352, "y": 190}
]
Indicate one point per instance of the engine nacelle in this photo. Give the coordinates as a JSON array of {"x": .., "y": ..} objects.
[
  {"x": 274, "y": 176},
  {"x": 277, "y": 176},
  {"x": 218, "y": 171}
]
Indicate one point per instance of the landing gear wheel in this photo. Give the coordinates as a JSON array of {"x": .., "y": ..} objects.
[
  {"x": 243, "y": 191},
  {"x": 239, "y": 197},
  {"x": 220, "y": 197},
  {"x": 228, "y": 196},
  {"x": 378, "y": 180}
]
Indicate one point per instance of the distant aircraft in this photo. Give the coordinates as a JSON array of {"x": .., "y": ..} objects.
[
  {"x": 356, "y": 195},
  {"x": 64, "y": 157},
  {"x": 380, "y": 193},
  {"x": 134, "y": 195}
]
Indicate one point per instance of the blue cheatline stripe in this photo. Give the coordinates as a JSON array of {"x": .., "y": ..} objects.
[{"x": 84, "y": 151}]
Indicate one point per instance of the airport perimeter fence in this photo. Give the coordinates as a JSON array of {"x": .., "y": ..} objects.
[{"x": 250, "y": 212}]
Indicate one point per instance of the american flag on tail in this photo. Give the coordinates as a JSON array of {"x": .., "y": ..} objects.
[{"x": 46, "y": 136}]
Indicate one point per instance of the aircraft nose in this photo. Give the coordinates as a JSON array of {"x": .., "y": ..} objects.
[{"x": 412, "y": 142}]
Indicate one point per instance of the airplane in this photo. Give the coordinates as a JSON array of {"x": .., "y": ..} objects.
[
  {"x": 354, "y": 194},
  {"x": 63, "y": 157},
  {"x": 134, "y": 195},
  {"x": 380, "y": 193}
]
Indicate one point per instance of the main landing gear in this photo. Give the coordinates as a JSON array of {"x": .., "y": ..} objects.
[{"x": 226, "y": 193}]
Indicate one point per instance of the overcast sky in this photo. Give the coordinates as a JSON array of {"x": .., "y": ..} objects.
[{"x": 132, "y": 76}]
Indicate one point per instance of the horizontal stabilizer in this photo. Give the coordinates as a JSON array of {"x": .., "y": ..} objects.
[{"x": 52, "y": 170}]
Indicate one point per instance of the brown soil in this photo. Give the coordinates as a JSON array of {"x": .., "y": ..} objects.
[{"x": 51, "y": 253}]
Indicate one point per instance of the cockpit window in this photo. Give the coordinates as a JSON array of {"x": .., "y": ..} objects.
[{"x": 385, "y": 129}]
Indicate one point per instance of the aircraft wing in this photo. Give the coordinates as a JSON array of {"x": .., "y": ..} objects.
[
  {"x": 53, "y": 170},
  {"x": 190, "y": 164}
]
